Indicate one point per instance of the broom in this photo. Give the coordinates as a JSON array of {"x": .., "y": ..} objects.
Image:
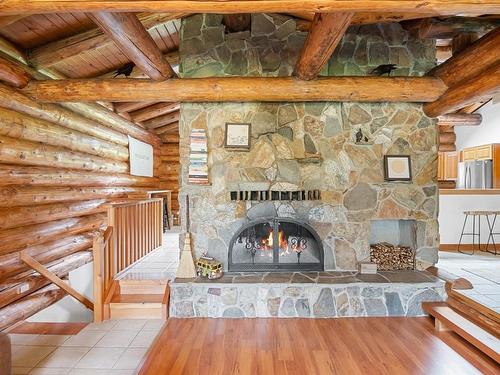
[{"x": 186, "y": 268}]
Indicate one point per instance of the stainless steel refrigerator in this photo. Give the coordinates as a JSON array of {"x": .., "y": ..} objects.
[{"x": 476, "y": 174}]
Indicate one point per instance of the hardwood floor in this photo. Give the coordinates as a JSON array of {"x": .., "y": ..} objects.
[{"x": 311, "y": 346}]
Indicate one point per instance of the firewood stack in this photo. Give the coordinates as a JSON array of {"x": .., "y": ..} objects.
[{"x": 392, "y": 258}]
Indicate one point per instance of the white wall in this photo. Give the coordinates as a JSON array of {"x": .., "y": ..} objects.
[
  {"x": 451, "y": 216},
  {"x": 487, "y": 132},
  {"x": 68, "y": 309}
]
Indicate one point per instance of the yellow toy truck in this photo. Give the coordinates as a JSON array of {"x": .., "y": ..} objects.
[{"x": 209, "y": 267}]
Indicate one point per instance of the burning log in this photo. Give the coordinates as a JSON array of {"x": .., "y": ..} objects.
[{"x": 392, "y": 258}]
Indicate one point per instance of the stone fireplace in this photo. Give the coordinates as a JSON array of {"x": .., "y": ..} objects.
[{"x": 333, "y": 149}]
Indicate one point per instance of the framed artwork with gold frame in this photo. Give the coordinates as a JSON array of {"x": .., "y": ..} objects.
[{"x": 397, "y": 168}]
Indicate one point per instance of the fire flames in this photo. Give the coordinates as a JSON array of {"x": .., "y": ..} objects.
[{"x": 268, "y": 242}]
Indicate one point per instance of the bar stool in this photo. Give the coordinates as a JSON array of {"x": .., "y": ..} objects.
[
  {"x": 491, "y": 226},
  {"x": 475, "y": 234}
]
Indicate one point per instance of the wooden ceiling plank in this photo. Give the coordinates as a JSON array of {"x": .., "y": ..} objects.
[
  {"x": 167, "y": 128},
  {"x": 326, "y": 32},
  {"x": 131, "y": 106},
  {"x": 161, "y": 120},
  {"x": 55, "y": 52},
  {"x": 252, "y": 6},
  {"x": 244, "y": 89},
  {"x": 470, "y": 61},
  {"x": 478, "y": 88},
  {"x": 154, "y": 110},
  {"x": 9, "y": 20}
]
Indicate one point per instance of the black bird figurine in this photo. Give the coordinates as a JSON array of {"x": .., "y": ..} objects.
[
  {"x": 383, "y": 69},
  {"x": 126, "y": 70}
]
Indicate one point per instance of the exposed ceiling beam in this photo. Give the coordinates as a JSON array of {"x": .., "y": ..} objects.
[
  {"x": 368, "y": 18},
  {"x": 460, "y": 119},
  {"x": 60, "y": 50},
  {"x": 154, "y": 110},
  {"x": 130, "y": 106},
  {"x": 476, "y": 88},
  {"x": 470, "y": 61},
  {"x": 436, "y": 28},
  {"x": 252, "y": 6},
  {"x": 133, "y": 40},
  {"x": 12, "y": 74},
  {"x": 241, "y": 89},
  {"x": 325, "y": 34},
  {"x": 167, "y": 128}
]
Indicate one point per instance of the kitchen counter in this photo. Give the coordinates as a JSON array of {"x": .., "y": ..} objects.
[{"x": 469, "y": 191}]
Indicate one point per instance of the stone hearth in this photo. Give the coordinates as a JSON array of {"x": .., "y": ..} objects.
[{"x": 305, "y": 295}]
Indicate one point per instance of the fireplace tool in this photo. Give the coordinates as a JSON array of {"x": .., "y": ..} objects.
[{"x": 186, "y": 264}]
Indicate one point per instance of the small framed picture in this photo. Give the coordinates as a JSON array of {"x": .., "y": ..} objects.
[
  {"x": 397, "y": 168},
  {"x": 237, "y": 136}
]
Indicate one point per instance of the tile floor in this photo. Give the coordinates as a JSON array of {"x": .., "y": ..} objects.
[
  {"x": 483, "y": 271},
  {"x": 114, "y": 347}
]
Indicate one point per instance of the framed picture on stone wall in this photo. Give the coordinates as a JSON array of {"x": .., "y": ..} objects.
[
  {"x": 397, "y": 168},
  {"x": 237, "y": 136}
]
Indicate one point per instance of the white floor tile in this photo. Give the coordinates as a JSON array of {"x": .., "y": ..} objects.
[
  {"x": 22, "y": 339},
  {"x": 154, "y": 324},
  {"x": 49, "y": 371},
  {"x": 131, "y": 358},
  {"x": 64, "y": 357},
  {"x": 20, "y": 370},
  {"x": 29, "y": 356},
  {"x": 84, "y": 371},
  {"x": 85, "y": 338},
  {"x": 107, "y": 325},
  {"x": 51, "y": 340},
  {"x": 100, "y": 358},
  {"x": 144, "y": 339},
  {"x": 129, "y": 325},
  {"x": 116, "y": 339}
]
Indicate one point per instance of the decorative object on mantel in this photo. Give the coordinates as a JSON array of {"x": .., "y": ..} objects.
[
  {"x": 186, "y": 268},
  {"x": 271, "y": 195},
  {"x": 392, "y": 258},
  {"x": 383, "y": 69},
  {"x": 361, "y": 138},
  {"x": 209, "y": 267},
  {"x": 397, "y": 168},
  {"x": 367, "y": 268},
  {"x": 198, "y": 158},
  {"x": 237, "y": 136}
]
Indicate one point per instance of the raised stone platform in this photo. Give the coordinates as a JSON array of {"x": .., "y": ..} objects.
[{"x": 305, "y": 295}]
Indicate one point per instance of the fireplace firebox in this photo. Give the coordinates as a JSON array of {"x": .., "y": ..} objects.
[{"x": 275, "y": 244}]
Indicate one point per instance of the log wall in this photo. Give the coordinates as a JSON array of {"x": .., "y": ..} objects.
[{"x": 58, "y": 170}]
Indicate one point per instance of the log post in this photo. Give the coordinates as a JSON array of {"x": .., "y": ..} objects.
[
  {"x": 131, "y": 37},
  {"x": 460, "y": 119},
  {"x": 326, "y": 32}
]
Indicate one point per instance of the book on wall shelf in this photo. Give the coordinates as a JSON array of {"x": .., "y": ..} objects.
[{"x": 198, "y": 158}]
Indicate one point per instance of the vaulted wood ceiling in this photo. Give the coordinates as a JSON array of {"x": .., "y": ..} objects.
[{"x": 70, "y": 45}]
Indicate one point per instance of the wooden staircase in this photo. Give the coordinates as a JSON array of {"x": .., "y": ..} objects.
[
  {"x": 138, "y": 299},
  {"x": 475, "y": 323}
]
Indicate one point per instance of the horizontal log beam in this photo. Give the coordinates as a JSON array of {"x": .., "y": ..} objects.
[
  {"x": 159, "y": 121},
  {"x": 49, "y": 176},
  {"x": 11, "y": 264},
  {"x": 29, "y": 305},
  {"x": 14, "y": 100},
  {"x": 460, "y": 119},
  {"x": 478, "y": 88},
  {"x": 252, "y": 6},
  {"x": 18, "y": 238},
  {"x": 170, "y": 128},
  {"x": 14, "y": 217},
  {"x": 248, "y": 89},
  {"x": 470, "y": 61},
  {"x": 130, "y": 36},
  {"x": 17, "y": 125},
  {"x": 326, "y": 32},
  {"x": 22, "y": 152}
]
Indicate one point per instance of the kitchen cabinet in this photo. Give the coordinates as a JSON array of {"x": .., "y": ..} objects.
[
  {"x": 447, "y": 166},
  {"x": 484, "y": 152}
]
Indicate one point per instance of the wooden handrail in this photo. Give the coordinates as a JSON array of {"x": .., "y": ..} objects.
[{"x": 134, "y": 229}]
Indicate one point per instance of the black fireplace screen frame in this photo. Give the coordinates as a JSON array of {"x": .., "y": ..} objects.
[{"x": 275, "y": 266}]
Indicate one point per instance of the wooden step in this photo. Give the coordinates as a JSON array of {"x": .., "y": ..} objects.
[
  {"x": 448, "y": 319},
  {"x": 143, "y": 286},
  {"x": 137, "y": 306}
]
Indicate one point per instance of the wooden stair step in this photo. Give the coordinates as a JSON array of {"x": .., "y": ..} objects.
[
  {"x": 137, "y": 306},
  {"x": 137, "y": 298},
  {"x": 142, "y": 286},
  {"x": 448, "y": 319}
]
